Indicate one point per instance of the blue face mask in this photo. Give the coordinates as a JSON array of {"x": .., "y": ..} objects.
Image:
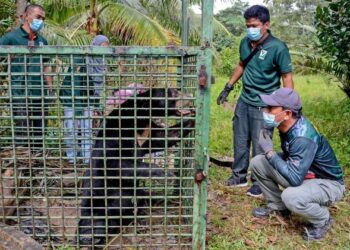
[
  {"x": 254, "y": 34},
  {"x": 36, "y": 25},
  {"x": 269, "y": 120}
]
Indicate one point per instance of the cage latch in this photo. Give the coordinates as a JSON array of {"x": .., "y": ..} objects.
[
  {"x": 202, "y": 77},
  {"x": 199, "y": 176}
]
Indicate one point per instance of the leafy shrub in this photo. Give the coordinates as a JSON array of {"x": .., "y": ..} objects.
[
  {"x": 7, "y": 13},
  {"x": 229, "y": 58},
  {"x": 333, "y": 31}
]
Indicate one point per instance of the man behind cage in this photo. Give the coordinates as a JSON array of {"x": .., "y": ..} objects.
[
  {"x": 27, "y": 91},
  {"x": 260, "y": 74},
  {"x": 306, "y": 176},
  {"x": 80, "y": 97}
]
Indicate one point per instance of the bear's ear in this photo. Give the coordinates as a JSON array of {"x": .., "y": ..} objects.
[
  {"x": 144, "y": 93},
  {"x": 173, "y": 92}
]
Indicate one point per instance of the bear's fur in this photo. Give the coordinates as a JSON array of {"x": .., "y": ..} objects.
[{"x": 113, "y": 165}]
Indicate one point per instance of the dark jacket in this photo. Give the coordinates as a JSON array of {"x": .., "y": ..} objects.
[{"x": 304, "y": 149}]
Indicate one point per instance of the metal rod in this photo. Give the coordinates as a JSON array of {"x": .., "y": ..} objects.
[
  {"x": 185, "y": 23},
  {"x": 202, "y": 124}
]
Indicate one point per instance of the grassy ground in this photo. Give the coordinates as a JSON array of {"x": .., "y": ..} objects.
[{"x": 230, "y": 223}]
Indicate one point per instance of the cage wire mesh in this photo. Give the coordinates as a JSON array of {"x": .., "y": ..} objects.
[{"x": 104, "y": 157}]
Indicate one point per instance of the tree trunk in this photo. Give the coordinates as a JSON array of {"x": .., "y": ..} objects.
[
  {"x": 20, "y": 7},
  {"x": 92, "y": 20}
]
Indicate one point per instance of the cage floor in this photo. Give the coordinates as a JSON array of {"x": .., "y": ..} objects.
[{"x": 49, "y": 210}]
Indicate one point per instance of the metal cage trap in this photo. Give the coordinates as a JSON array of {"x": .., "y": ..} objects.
[{"x": 114, "y": 153}]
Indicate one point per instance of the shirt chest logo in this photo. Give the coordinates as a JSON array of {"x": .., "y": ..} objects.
[{"x": 263, "y": 54}]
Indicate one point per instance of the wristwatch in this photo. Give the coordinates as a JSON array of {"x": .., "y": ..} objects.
[{"x": 269, "y": 154}]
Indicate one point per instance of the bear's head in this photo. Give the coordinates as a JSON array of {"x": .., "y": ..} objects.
[{"x": 164, "y": 101}]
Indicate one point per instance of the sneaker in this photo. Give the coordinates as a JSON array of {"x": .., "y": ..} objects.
[
  {"x": 317, "y": 233},
  {"x": 265, "y": 212},
  {"x": 236, "y": 182},
  {"x": 255, "y": 191}
]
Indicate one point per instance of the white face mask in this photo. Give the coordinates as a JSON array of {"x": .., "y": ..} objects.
[
  {"x": 36, "y": 25},
  {"x": 269, "y": 119},
  {"x": 254, "y": 34}
]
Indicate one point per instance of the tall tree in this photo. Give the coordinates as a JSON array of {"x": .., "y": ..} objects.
[
  {"x": 232, "y": 17},
  {"x": 293, "y": 20}
]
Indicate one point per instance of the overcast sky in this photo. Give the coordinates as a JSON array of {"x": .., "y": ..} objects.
[{"x": 223, "y": 4}]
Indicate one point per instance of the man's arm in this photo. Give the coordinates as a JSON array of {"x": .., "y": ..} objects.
[
  {"x": 287, "y": 80},
  {"x": 236, "y": 75},
  {"x": 301, "y": 155}
]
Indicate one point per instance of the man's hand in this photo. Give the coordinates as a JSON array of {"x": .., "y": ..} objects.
[
  {"x": 50, "y": 96},
  {"x": 265, "y": 140},
  {"x": 224, "y": 94}
]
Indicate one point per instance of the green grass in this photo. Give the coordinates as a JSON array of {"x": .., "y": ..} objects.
[{"x": 230, "y": 224}]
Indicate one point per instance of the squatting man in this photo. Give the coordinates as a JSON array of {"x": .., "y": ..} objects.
[{"x": 307, "y": 167}]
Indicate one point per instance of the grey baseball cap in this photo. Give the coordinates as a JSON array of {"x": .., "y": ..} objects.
[{"x": 283, "y": 97}]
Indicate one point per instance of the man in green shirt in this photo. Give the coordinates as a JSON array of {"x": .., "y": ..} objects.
[
  {"x": 28, "y": 90},
  {"x": 261, "y": 75}
]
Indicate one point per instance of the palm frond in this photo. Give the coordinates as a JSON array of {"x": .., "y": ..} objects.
[
  {"x": 195, "y": 27},
  {"x": 78, "y": 20},
  {"x": 220, "y": 28},
  {"x": 56, "y": 34},
  {"x": 63, "y": 4},
  {"x": 136, "y": 4},
  {"x": 61, "y": 10},
  {"x": 148, "y": 22},
  {"x": 132, "y": 26}
]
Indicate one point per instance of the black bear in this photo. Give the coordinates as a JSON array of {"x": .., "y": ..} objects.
[{"x": 109, "y": 185}]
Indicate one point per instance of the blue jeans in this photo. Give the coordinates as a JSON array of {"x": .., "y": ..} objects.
[
  {"x": 247, "y": 123},
  {"x": 76, "y": 129}
]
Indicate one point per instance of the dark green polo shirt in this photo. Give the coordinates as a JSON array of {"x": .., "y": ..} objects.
[
  {"x": 30, "y": 77},
  {"x": 263, "y": 73},
  {"x": 78, "y": 92}
]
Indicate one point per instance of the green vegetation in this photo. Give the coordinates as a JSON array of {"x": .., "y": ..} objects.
[
  {"x": 231, "y": 225},
  {"x": 292, "y": 21},
  {"x": 232, "y": 18},
  {"x": 7, "y": 11},
  {"x": 333, "y": 32}
]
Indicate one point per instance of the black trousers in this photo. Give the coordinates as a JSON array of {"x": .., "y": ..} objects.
[
  {"x": 30, "y": 120},
  {"x": 247, "y": 123}
]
